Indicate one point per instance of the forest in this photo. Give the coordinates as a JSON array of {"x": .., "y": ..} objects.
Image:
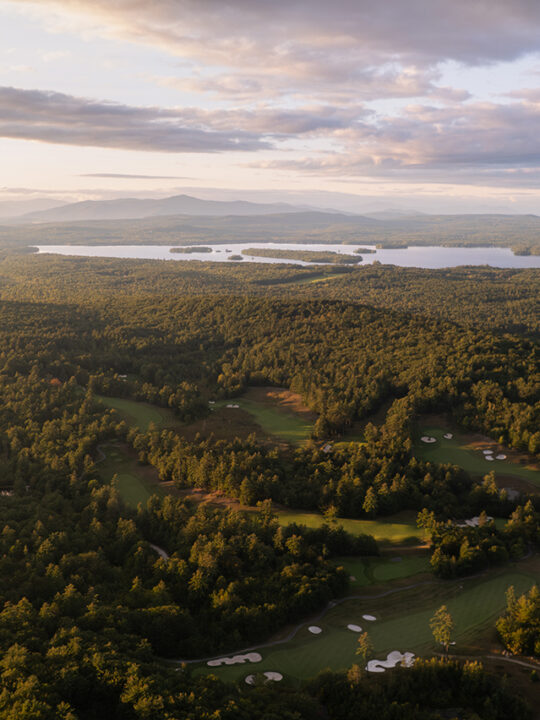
[{"x": 95, "y": 623}]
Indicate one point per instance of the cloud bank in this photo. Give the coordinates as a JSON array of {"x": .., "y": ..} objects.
[{"x": 58, "y": 118}]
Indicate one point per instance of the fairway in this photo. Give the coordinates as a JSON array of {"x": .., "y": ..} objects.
[
  {"x": 402, "y": 624},
  {"x": 399, "y": 528},
  {"x": 133, "y": 481},
  {"x": 274, "y": 416},
  {"x": 461, "y": 450},
  {"x": 370, "y": 571},
  {"x": 140, "y": 414}
]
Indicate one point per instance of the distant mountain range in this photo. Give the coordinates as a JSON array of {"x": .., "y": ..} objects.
[
  {"x": 136, "y": 208},
  {"x": 15, "y": 208}
]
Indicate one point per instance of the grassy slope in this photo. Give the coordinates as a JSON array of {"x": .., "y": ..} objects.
[
  {"x": 133, "y": 480},
  {"x": 274, "y": 420},
  {"x": 394, "y": 529},
  {"x": 140, "y": 414},
  {"x": 369, "y": 571},
  {"x": 463, "y": 451},
  {"x": 472, "y": 609}
]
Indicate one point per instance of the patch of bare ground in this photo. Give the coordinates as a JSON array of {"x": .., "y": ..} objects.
[
  {"x": 214, "y": 498},
  {"x": 282, "y": 398},
  {"x": 224, "y": 424}
]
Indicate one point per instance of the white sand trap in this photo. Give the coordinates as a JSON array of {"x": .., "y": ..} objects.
[
  {"x": 275, "y": 676},
  {"x": 270, "y": 675},
  {"x": 232, "y": 405},
  {"x": 393, "y": 658},
  {"x": 211, "y": 402},
  {"x": 428, "y": 439},
  {"x": 490, "y": 458},
  {"x": 370, "y": 618},
  {"x": 448, "y": 436},
  {"x": 502, "y": 456},
  {"x": 315, "y": 629},
  {"x": 354, "y": 628},
  {"x": 235, "y": 659},
  {"x": 487, "y": 452},
  {"x": 254, "y": 657}
]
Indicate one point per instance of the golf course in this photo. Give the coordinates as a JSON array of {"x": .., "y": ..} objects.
[
  {"x": 402, "y": 616},
  {"x": 467, "y": 451}
]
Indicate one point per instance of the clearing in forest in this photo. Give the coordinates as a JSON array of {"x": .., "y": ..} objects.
[
  {"x": 467, "y": 451},
  {"x": 278, "y": 411},
  {"x": 399, "y": 528},
  {"x": 135, "y": 482},
  {"x": 402, "y": 623},
  {"x": 364, "y": 571},
  {"x": 140, "y": 414}
]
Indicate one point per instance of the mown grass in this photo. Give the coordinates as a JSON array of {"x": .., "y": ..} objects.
[
  {"x": 140, "y": 414},
  {"x": 463, "y": 451},
  {"x": 276, "y": 421},
  {"x": 372, "y": 571},
  {"x": 394, "y": 529},
  {"x": 402, "y": 624},
  {"x": 132, "y": 479}
]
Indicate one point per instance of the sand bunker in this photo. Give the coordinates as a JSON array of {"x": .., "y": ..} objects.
[
  {"x": 448, "y": 436},
  {"x": 235, "y": 659},
  {"x": 487, "y": 452},
  {"x": 490, "y": 458},
  {"x": 232, "y": 405},
  {"x": 270, "y": 675},
  {"x": 393, "y": 658},
  {"x": 428, "y": 439},
  {"x": 370, "y": 618},
  {"x": 315, "y": 629},
  {"x": 502, "y": 456},
  {"x": 354, "y": 628},
  {"x": 473, "y": 522}
]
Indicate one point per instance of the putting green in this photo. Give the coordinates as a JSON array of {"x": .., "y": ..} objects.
[
  {"x": 140, "y": 414},
  {"x": 275, "y": 421},
  {"x": 396, "y": 627},
  {"x": 394, "y": 529},
  {"x": 460, "y": 451}
]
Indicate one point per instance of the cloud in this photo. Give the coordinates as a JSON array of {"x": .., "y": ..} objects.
[
  {"x": 64, "y": 119},
  {"x": 243, "y": 49},
  {"x": 127, "y": 176},
  {"x": 480, "y": 143},
  {"x": 471, "y": 32}
]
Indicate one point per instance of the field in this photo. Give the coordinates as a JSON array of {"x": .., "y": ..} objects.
[
  {"x": 135, "y": 482},
  {"x": 399, "y": 528},
  {"x": 402, "y": 623},
  {"x": 372, "y": 571},
  {"x": 140, "y": 414},
  {"x": 466, "y": 451},
  {"x": 279, "y": 412}
]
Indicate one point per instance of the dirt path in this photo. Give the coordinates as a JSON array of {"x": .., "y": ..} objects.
[{"x": 160, "y": 551}]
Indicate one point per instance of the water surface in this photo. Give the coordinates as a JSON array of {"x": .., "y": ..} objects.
[{"x": 414, "y": 256}]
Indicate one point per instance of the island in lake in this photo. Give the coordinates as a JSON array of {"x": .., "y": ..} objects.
[
  {"x": 191, "y": 249},
  {"x": 321, "y": 256}
]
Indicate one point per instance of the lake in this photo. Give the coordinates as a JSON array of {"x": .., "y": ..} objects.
[{"x": 414, "y": 256}]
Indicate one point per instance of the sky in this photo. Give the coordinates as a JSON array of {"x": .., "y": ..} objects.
[{"x": 414, "y": 104}]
